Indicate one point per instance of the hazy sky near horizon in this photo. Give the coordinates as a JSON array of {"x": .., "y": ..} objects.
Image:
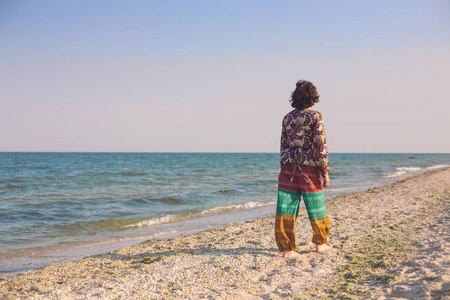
[{"x": 216, "y": 76}]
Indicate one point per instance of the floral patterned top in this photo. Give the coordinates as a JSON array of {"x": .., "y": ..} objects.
[{"x": 303, "y": 140}]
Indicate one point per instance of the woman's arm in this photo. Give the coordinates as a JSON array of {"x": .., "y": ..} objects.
[
  {"x": 286, "y": 153},
  {"x": 320, "y": 146}
]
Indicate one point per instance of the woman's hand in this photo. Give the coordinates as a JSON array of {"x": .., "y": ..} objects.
[{"x": 326, "y": 181}]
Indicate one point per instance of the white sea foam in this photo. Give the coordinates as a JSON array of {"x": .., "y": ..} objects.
[
  {"x": 175, "y": 218},
  {"x": 246, "y": 205},
  {"x": 342, "y": 189},
  {"x": 405, "y": 170},
  {"x": 399, "y": 171},
  {"x": 408, "y": 169},
  {"x": 153, "y": 221},
  {"x": 437, "y": 167}
]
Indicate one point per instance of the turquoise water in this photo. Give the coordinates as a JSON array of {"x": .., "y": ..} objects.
[{"x": 50, "y": 198}]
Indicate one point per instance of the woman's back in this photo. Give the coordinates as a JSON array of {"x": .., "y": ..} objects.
[{"x": 303, "y": 140}]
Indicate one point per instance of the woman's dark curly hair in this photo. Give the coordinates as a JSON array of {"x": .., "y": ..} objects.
[{"x": 304, "y": 96}]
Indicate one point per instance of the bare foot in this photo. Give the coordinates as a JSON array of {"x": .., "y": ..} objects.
[
  {"x": 323, "y": 248},
  {"x": 291, "y": 254}
]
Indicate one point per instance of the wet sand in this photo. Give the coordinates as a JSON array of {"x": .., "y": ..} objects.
[{"x": 390, "y": 242}]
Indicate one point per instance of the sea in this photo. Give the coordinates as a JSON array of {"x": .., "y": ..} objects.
[{"x": 56, "y": 207}]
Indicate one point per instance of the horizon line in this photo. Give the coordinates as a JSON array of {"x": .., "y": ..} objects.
[{"x": 193, "y": 152}]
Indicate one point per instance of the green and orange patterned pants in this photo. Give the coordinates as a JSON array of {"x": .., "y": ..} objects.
[{"x": 292, "y": 186}]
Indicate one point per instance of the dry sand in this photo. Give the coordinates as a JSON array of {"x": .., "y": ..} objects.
[{"x": 390, "y": 242}]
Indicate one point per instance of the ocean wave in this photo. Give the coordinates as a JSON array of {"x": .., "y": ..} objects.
[
  {"x": 342, "y": 189},
  {"x": 15, "y": 180},
  {"x": 246, "y": 205},
  {"x": 175, "y": 218},
  {"x": 148, "y": 201},
  {"x": 402, "y": 171},
  {"x": 437, "y": 167},
  {"x": 154, "y": 221},
  {"x": 132, "y": 173},
  {"x": 49, "y": 195},
  {"x": 42, "y": 167},
  {"x": 167, "y": 200},
  {"x": 226, "y": 191},
  {"x": 14, "y": 186},
  {"x": 399, "y": 171},
  {"x": 408, "y": 169},
  {"x": 138, "y": 201}
]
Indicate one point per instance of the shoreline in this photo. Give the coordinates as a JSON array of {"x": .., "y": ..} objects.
[
  {"x": 38, "y": 258},
  {"x": 390, "y": 242}
]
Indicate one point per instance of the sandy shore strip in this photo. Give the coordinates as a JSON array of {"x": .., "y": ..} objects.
[{"x": 390, "y": 242}]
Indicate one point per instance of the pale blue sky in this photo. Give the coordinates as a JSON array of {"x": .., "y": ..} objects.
[{"x": 216, "y": 76}]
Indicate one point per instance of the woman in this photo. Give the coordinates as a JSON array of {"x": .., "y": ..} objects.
[{"x": 304, "y": 164}]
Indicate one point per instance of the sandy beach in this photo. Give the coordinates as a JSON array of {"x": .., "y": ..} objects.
[{"x": 390, "y": 242}]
